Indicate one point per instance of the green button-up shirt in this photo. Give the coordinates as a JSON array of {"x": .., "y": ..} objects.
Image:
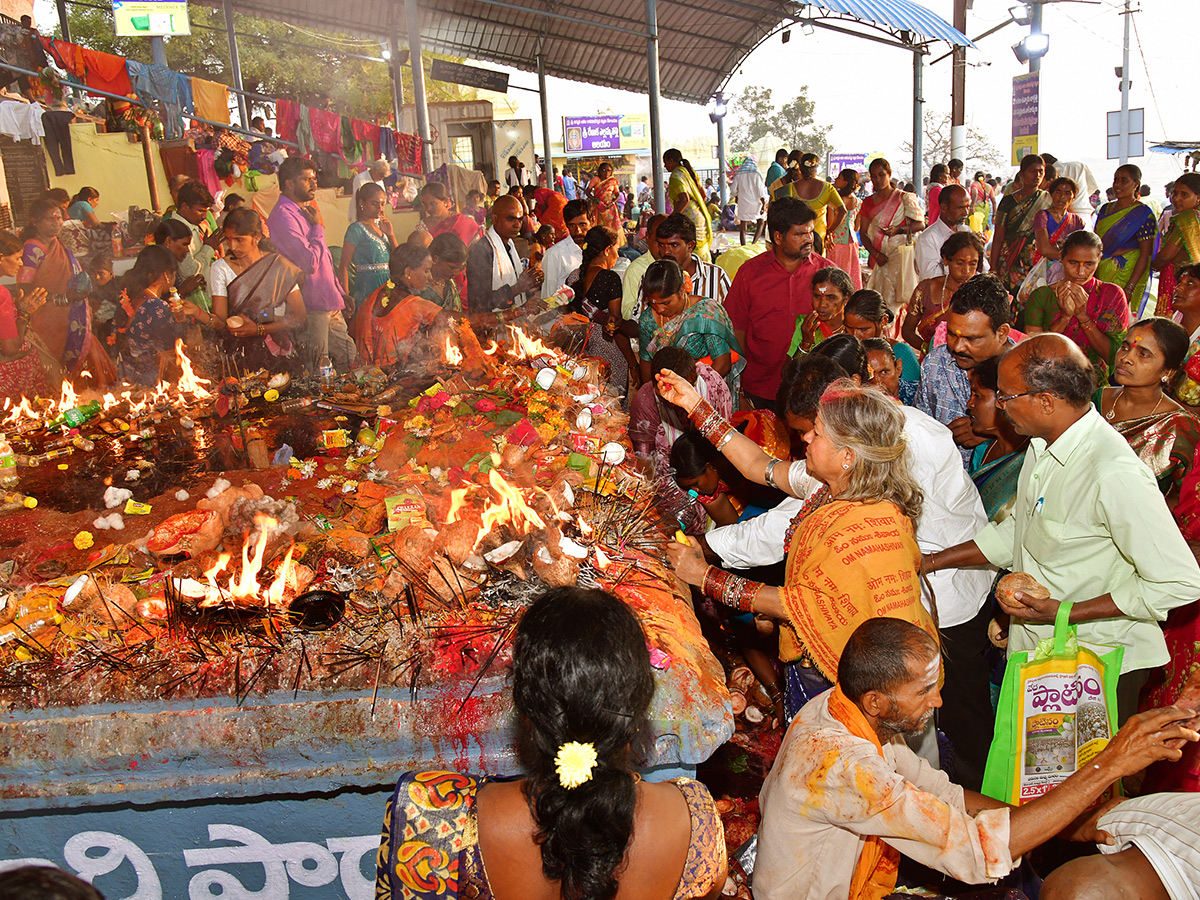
[{"x": 1089, "y": 520}]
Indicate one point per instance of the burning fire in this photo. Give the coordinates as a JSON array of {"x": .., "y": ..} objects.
[
  {"x": 524, "y": 347},
  {"x": 18, "y": 411},
  {"x": 457, "y": 497},
  {"x": 188, "y": 382},
  {"x": 244, "y": 588},
  {"x": 511, "y": 509},
  {"x": 69, "y": 399},
  {"x": 453, "y": 354},
  {"x": 491, "y": 349}
]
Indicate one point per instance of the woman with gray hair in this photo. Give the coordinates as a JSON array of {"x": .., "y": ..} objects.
[{"x": 863, "y": 503}]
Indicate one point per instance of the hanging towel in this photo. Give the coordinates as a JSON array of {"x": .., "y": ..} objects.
[
  {"x": 22, "y": 121},
  {"x": 106, "y": 72},
  {"x": 387, "y": 143},
  {"x": 172, "y": 90},
  {"x": 67, "y": 56},
  {"x": 368, "y": 132},
  {"x": 326, "y": 130},
  {"x": 287, "y": 117},
  {"x": 304, "y": 135},
  {"x": 211, "y": 100}
]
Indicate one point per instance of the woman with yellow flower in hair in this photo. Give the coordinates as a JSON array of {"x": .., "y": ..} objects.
[
  {"x": 388, "y": 318},
  {"x": 581, "y": 824}
]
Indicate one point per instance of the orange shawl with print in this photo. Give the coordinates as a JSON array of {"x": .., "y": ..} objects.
[
  {"x": 875, "y": 872},
  {"x": 848, "y": 562}
]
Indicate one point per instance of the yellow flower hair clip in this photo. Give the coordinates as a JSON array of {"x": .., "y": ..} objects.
[{"x": 574, "y": 763}]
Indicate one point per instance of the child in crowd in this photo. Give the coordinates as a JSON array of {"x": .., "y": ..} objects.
[
  {"x": 475, "y": 207},
  {"x": 831, "y": 288}
]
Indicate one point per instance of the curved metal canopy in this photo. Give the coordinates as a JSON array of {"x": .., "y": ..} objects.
[{"x": 701, "y": 42}]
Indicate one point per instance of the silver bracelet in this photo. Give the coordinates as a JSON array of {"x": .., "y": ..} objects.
[{"x": 770, "y": 474}]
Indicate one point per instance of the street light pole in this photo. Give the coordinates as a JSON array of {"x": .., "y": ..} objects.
[
  {"x": 1128, "y": 14},
  {"x": 719, "y": 115},
  {"x": 1035, "y": 27}
]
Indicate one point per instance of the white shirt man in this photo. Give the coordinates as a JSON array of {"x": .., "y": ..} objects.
[
  {"x": 954, "y": 207},
  {"x": 567, "y": 255}
]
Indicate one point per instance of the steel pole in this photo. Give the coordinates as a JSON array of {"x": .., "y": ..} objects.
[
  {"x": 1035, "y": 27},
  {"x": 1128, "y": 13},
  {"x": 235, "y": 64},
  {"x": 918, "y": 143},
  {"x": 397, "y": 77},
  {"x": 723, "y": 187},
  {"x": 660, "y": 202},
  {"x": 413, "y": 13},
  {"x": 63, "y": 25},
  {"x": 958, "y": 90},
  {"x": 547, "y": 159}
]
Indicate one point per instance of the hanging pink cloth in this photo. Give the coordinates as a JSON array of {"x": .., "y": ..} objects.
[
  {"x": 367, "y": 131},
  {"x": 287, "y": 116},
  {"x": 326, "y": 130},
  {"x": 208, "y": 171}
]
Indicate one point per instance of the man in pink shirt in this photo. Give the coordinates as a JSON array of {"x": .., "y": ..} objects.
[{"x": 771, "y": 291}]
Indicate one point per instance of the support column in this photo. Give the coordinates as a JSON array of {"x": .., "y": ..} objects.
[
  {"x": 548, "y": 160},
  {"x": 1035, "y": 27},
  {"x": 158, "y": 50},
  {"x": 958, "y": 90},
  {"x": 1124, "y": 117},
  {"x": 63, "y": 25},
  {"x": 413, "y": 14},
  {"x": 396, "y": 74},
  {"x": 235, "y": 64},
  {"x": 918, "y": 142},
  {"x": 660, "y": 200}
]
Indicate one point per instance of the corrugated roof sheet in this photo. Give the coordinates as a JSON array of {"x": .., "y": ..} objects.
[{"x": 701, "y": 42}]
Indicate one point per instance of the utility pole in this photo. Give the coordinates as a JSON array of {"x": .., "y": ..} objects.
[
  {"x": 1128, "y": 14},
  {"x": 958, "y": 88},
  {"x": 1035, "y": 27}
]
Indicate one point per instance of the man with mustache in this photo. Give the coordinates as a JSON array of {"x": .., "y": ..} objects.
[{"x": 977, "y": 328}]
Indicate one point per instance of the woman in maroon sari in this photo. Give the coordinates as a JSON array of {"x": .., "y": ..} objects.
[
  {"x": 20, "y": 368},
  {"x": 63, "y": 325}
]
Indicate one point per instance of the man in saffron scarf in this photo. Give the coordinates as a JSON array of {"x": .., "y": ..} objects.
[{"x": 846, "y": 796}]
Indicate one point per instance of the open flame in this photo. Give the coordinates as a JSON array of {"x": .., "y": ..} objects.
[
  {"x": 458, "y": 497},
  {"x": 453, "y": 354},
  {"x": 243, "y": 588},
  {"x": 524, "y": 347},
  {"x": 511, "y": 509},
  {"x": 69, "y": 399},
  {"x": 491, "y": 349},
  {"x": 18, "y": 411},
  {"x": 188, "y": 382}
]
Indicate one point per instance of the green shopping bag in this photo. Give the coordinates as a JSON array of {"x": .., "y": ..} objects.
[{"x": 1057, "y": 710}]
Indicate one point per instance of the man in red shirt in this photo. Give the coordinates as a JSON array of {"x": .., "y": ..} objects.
[{"x": 769, "y": 293}]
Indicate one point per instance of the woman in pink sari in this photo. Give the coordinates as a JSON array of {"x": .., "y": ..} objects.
[
  {"x": 841, "y": 245},
  {"x": 438, "y": 217},
  {"x": 887, "y": 221}
]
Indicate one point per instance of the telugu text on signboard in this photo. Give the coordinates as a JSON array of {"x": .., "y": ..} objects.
[
  {"x": 1025, "y": 101},
  {"x": 472, "y": 76},
  {"x": 598, "y": 134}
]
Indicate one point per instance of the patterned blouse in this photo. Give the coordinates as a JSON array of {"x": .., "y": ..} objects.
[{"x": 429, "y": 847}]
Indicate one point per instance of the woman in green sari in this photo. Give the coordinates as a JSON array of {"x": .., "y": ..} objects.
[
  {"x": 686, "y": 197},
  {"x": 1181, "y": 244},
  {"x": 674, "y": 317},
  {"x": 996, "y": 463},
  {"x": 1014, "y": 248},
  {"x": 1129, "y": 231}
]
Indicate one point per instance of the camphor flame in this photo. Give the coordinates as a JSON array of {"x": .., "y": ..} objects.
[
  {"x": 512, "y": 509},
  {"x": 108, "y": 401},
  {"x": 69, "y": 399},
  {"x": 453, "y": 354},
  {"x": 188, "y": 382},
  {"x": 18, "y": 411},
  {"x": 244, "y": 587},
  {"x": 524, "y": 347},
  {"x": 491, "y": 349}
]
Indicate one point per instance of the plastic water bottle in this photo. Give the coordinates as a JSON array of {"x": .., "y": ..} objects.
[
  {"x": 325, "y": 369},
  {"x": 8, "y": 465},
  {"x": 297, "y": 404}
]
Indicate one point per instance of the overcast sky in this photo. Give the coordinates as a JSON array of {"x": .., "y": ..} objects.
[{"x": 864, "y": 91}]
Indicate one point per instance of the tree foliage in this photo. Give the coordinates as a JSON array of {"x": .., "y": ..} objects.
[
  {"x": 794, "y": 123},
  {"x": 272, "y": 64},
  {"x": 981, "y": 153}
]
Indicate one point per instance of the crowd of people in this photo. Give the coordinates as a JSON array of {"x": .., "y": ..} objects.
[{"x": 856, "y": 453}]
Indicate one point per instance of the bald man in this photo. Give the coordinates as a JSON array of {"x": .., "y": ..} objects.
[
  {"x": 495, "y": 277},
  {"x": 1090, "y": 523}
]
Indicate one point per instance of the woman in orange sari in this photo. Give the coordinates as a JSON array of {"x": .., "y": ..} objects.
[
  {"x": 63, "y": 325},
  {"x": 852, "y": 539},
  {"x": 388, "y": 319}
]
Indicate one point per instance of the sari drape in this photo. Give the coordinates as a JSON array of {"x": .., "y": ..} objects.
[
  {"x": 1019, "y": 252},
  {"x": 467, "y": 228},
  {"x": 257, "y": 294},
  {"x": 1122, "y": 231},
  {"x": 832, "y": 585},
  {"x": 369, "y": 268},
  {"x": 604, "y": 208},
  {"x": 841, "y": 245},
  {"x": 996, "y": 481},
  {"x": 681, "y": 184},
  {"x": 1106, "y": 306},
  {"x": 381, "y": 339},
  {"x": 1184, "y": 231},
  {"x": 1165, "y": 442},
  {"x": 704, "y": 330},
  {"x": 48, "y": 265},
  {"x": 896, "y": 280}
]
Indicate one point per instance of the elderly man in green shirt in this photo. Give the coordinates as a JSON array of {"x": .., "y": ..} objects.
[{"x": 1089, "y": 523}]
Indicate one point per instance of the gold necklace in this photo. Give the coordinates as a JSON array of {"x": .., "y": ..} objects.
[{"x": 1112, "y": 412}]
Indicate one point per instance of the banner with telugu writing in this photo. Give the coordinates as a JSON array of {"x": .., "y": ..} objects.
[
  {"x": 599, "y": 134},
  {"x": 1025, "y": 103}
]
